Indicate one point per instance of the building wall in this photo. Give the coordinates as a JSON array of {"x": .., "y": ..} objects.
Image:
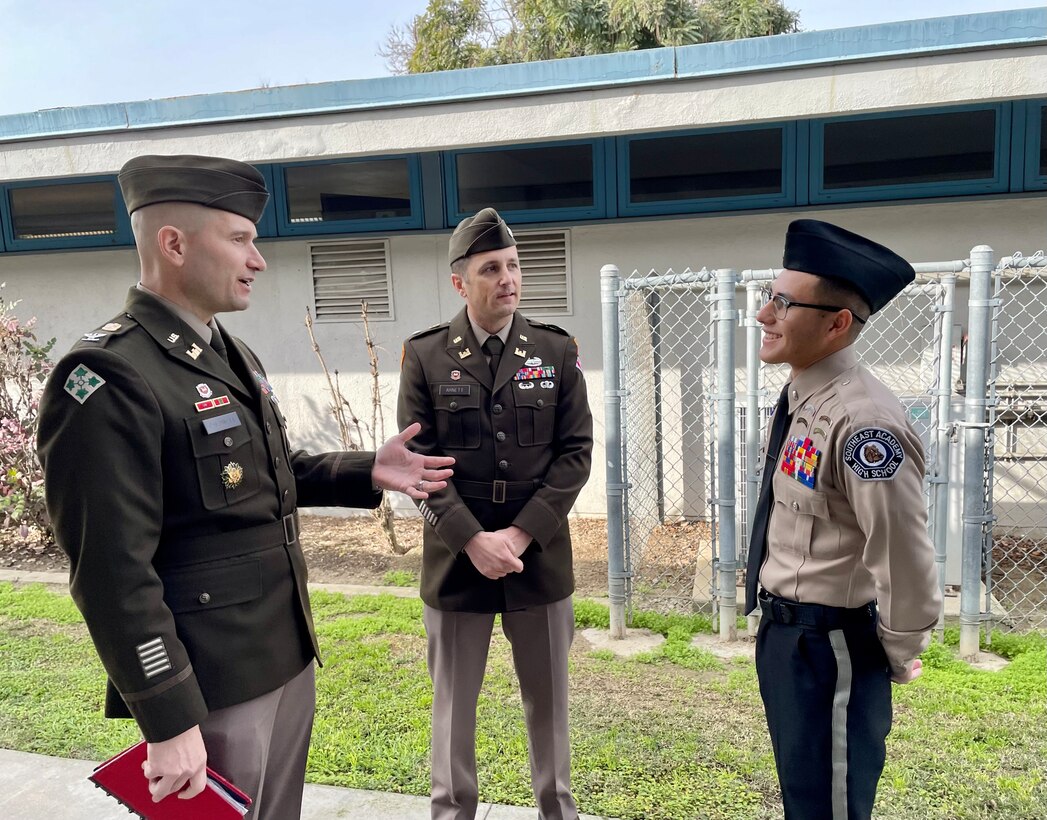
[{"x": 72, "y": 293}]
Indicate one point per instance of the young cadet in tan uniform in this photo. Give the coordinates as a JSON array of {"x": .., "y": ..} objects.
[
  {"x": 173, "y": 489},
  {"x": 505, "y": 396},
  {"x": 839, "y": 541}
]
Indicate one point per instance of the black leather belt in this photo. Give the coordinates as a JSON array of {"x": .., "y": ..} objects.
[
  {"x": 817, "y": 616},
  {"x": 497, "y": 491},
  {"x": 179, "y": 552}
]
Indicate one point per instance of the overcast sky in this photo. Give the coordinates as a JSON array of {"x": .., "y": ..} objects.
[{"x": 57, "y": 53}]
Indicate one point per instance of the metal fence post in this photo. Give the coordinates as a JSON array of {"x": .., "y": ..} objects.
[
  {"x": 975, "y": 423},
  {"x": 940, "y": 477},
  {"x": 612, "y": 403},
  {"x": 753, "y": 417},
  {"x": 726, "y": 320}
]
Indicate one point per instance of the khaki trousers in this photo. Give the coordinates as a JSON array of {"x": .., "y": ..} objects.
[
  {"x": 261, "y": 745},
  {"x": 458, "y": 644}
]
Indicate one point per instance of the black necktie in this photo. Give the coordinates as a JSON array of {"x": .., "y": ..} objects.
[
  {"x": 218, "y": 343},
  {"x": 493, "y": 347},
  {"x": 758, "y": 540}
]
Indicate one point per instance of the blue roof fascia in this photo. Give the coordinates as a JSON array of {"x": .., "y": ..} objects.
[
  {"x": 910, "y": 37},
  {"x": 915, "y": 37},
  {"x": 346, "y": 95}
]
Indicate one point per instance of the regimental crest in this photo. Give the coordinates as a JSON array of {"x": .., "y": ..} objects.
[
  {"x": 873, "y": 454},
  {"x": 82, "y": 383},
  {"x": 456, "y": 375},
  {"x": 204, "y": 390}
]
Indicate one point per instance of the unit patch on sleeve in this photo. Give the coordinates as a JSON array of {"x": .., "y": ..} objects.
[
  {"x": 874, "y": 454},
  {"x": 82, "y": 382}
]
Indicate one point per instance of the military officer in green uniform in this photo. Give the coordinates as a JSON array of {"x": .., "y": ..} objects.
[
  {"x": 173, "y": 488},
  {"x": 505, "y": 396}
]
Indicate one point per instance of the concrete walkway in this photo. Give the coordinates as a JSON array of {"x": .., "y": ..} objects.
[{"x": 34, "y": 787}]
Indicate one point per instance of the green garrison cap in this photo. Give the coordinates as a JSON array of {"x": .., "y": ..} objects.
[
  {"x": 212, "y": 181},
  {"x": 475, "y": 234}
]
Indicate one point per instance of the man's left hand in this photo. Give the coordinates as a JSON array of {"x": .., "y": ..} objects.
[
  {"x": 397, "y": 468},
  {"x": 519, "y": 539}
]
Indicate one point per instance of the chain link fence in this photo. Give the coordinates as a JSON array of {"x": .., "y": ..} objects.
[{"x": 679, "y": 510}]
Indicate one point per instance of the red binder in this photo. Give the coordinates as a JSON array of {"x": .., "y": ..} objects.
[{"x": 121, "y": 776}]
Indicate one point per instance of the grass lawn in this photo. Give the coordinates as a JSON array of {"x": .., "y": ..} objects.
[{"x": 672, "y": 735}]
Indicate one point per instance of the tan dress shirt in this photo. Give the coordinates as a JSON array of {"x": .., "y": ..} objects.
[{"x": 849, "y": 522}]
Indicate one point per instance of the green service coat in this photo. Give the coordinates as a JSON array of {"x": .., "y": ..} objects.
[{"x": 172, "y": 488}]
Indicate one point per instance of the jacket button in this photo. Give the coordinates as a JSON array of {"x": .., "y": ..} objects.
[
  {"x": 541, "y": 402},
  {"x": 796, "y": 507},
  {"x": 276, "y": 461},
  {"x": 286, "y": 493},
  {"x": 500, "y": 435},
  {"x": 268, "y": 427},
  {"x": 503, "y": 465},
  {"x": 453, "y": 405},
  {"x": 228, "y": 441},
  {"x": 496, "y": 409},
  {"x": 205, "y": 598}
]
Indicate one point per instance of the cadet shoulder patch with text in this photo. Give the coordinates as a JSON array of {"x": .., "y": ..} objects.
[{"x": 873, "y": 454}]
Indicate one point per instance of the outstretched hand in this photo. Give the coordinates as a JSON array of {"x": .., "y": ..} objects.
[{"x": 399, "y": 469}]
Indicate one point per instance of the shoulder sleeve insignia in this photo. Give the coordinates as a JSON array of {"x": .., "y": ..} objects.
[
  {"x": 82, "y": 383},
  {"x": 873, "y": 454}
]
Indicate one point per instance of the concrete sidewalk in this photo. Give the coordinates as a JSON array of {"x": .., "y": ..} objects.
[{"x": 34, "y": 787}]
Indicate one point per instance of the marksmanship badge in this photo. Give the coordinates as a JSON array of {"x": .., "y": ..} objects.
[{"x": 873, "y": 454}]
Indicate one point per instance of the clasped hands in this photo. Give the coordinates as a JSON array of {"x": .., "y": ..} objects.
[{"x": 496, "y": 554}]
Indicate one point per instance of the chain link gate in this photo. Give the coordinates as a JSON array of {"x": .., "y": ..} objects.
[
  {"x": 1015, "y": 546},
  {"x": 668, "y": 378}
]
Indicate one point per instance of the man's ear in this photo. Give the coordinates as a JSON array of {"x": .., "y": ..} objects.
[
  {"x": 171, "y": 242},
  {"x": 843, "y": 321},
  {"x": 459, "y": 285}
]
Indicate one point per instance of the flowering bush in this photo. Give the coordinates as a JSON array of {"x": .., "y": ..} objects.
[{"x": 24, "y": 366}]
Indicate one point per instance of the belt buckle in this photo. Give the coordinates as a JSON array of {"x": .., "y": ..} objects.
[
  {"x": 498, "y": 492},
  {"x": 290, "y": 529}
]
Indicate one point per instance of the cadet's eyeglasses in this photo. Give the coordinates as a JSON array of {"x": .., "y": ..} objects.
[{"x": 780, "y": 305}]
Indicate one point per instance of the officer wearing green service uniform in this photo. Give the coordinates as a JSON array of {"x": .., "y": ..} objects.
[
  {"x": 173, "y": 488},
  {"x": 505, "y": 396},
  {"x": 839, "y": 543}
]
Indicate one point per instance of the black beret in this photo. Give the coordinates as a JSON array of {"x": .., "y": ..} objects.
[
  {"x": 876, "y": 272},
  {"x": 212, "y": 181},
  {"x": 475, "y": 234}
]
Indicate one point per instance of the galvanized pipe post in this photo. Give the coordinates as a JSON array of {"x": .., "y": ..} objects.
[
  {"x": 753, "y": 332},
  {"x": 726, "y": 319},
  {"x": 979, "y": 341},
  {"x": 612, "y": 404},
  {"x": 940, "y": 476}
]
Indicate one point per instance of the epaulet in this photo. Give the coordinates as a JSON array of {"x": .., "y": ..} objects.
[
  {"x": 419, "y": 334},
  {"x": 117, "y": 326},
  {"x": 547, "y": 326}
]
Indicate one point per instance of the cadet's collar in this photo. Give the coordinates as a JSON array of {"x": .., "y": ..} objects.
[
  {"x": 810, "y": 379},
  {"x": 482, "y": 335},
  {"x": 187, "y": 316}
]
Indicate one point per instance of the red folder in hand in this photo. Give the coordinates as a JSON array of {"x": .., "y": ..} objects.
[{"x": 122, "y": 777}]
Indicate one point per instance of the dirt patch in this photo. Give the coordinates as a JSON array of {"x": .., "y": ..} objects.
[{"x": 349, "y": 551}]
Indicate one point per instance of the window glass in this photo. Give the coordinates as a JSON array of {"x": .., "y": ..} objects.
[
  {"x": 526, "y": 179},
  {"x": 63, "y": 211},
  {"x": 909, "y": 150},
  {"x": 374, "y": 189},
  {"x": 1043, "y": 141},
  {"x": 701, "y": 166}
]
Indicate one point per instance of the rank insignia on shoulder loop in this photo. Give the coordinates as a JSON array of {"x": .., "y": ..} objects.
[
  {"x": 194, "y": 352},
  {"x": 465, "y": 354},
  {"x": 94, "y": 337},
  {"x": 204, "y": 390},
  {"x": 174, "y": 337},
  {"x": 801, "y": 460},
  {"x": 82, "y": 383},
  {"x": 456, "y": 375},
  {"x": 873, "y": 454},
  {"x": 112, "y": 326},
  {"x": 232, "y": 475}
]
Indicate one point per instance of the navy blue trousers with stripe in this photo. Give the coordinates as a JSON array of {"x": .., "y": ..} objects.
[{"x": 827, "y": 696}]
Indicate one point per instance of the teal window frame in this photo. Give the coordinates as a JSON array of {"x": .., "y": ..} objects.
[
  {"x": 598, "y": 210},
  {"x": 999, "y": 182},
  {"x": 121, "y": 236},
  {"x": 784, "y": 198},
  {"x": 1034, "y": 137},
  {"x": 284, "y": 226}
]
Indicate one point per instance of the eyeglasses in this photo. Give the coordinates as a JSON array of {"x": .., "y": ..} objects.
[{"x": 780, "y": 305}]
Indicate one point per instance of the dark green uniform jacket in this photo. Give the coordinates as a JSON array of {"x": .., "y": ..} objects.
[
  {"x": 172, "y": 489},
  {"x": 523, "y": 443}
]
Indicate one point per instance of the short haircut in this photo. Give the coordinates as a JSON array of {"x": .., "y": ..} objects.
[
  {"x": 460, "y": 266},
  {"x": 843, "y": 294}
]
